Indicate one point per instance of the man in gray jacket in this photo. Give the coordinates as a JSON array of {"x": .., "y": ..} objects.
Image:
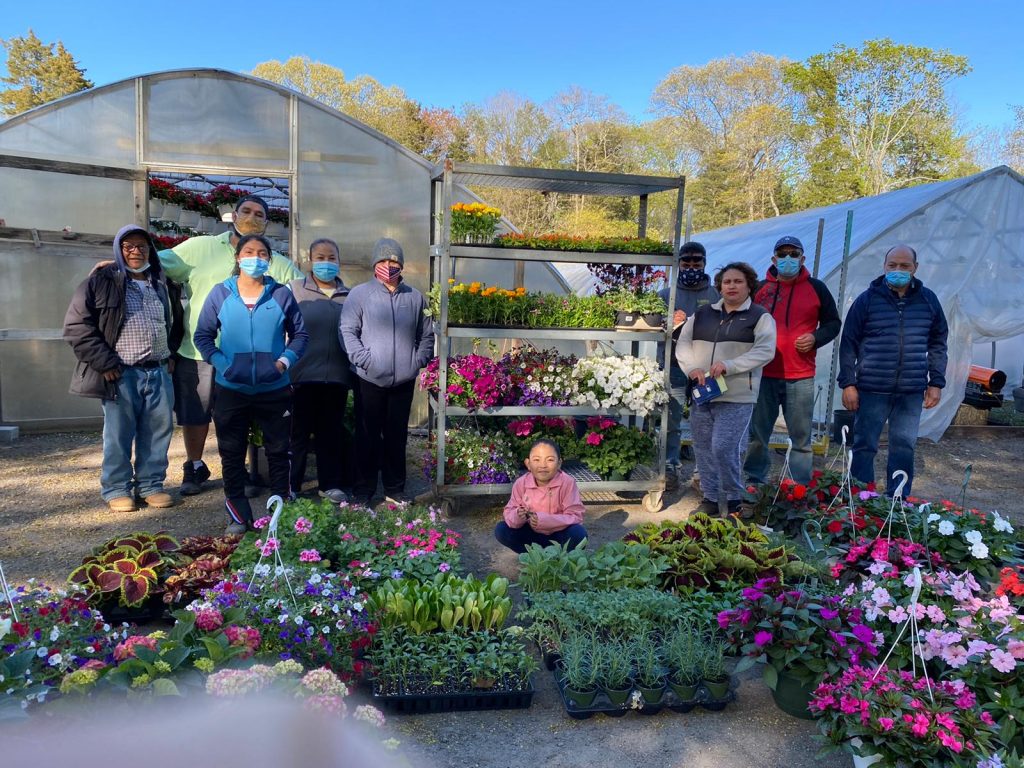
[
  {"x": 693, "y": 290},
  {"x": 388, "y": 339}
]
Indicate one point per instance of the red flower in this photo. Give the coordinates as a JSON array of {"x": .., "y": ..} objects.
[
  {"x": 799, "y": 491},
  {"x": 836, "y": 526}
]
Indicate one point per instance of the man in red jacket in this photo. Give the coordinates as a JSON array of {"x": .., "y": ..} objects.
[{"x": 805, "y": 318}]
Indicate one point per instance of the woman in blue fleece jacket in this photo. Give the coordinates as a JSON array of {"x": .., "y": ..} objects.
[
  {"x": 388, "y": 340},
  {"x": 260, "y": 336}
]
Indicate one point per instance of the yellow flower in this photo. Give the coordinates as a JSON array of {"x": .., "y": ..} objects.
[
  {"x": 451, "y": 281},
  {"x": 203, "y": 665}
]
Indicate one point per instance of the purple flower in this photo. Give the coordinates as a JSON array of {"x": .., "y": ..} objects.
[
  {"x": 724, "y": 619},
  {"x": 863, "y": 633},
  {"x": 762, "y": 638},
  {"x": 828, "y": 614}
]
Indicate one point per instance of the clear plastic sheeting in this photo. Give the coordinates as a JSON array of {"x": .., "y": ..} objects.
[
  {"x": 44, "y": 200},
  {"x": 210, "y": 121},
  {"x": 97, "y": 126},
  {"x": 969, "y": 237}
]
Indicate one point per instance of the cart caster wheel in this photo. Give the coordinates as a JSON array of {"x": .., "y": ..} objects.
[{"x": 653, "y": 502}]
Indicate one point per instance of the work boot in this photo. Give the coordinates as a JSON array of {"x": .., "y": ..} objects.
[
  {"x": 193, "y": 478},
  {"x": 671, "y": 478}
]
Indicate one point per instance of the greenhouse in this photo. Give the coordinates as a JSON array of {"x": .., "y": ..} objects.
[
  {"x": 969, "y": 236},
  {"x": 74, "y": 171}
]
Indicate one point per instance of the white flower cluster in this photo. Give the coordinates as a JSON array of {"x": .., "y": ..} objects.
[{"x": 634, "y": 383}]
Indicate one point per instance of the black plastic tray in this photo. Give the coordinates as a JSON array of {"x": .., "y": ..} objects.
[
  {"x": 669, "y": 701},
  {"x": 464, "y": 701}
]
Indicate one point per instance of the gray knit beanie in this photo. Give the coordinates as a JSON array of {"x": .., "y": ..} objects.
[{"x": 387, "y": 249}]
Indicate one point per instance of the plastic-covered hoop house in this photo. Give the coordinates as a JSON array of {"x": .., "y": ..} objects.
[
  {"x": 969, "y": 237},
  {"x": 74, "y": 171}
]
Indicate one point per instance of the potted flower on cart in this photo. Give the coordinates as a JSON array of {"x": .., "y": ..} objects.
[{"x": 637, "y": 311}]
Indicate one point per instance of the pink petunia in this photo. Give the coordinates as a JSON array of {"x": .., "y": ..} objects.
[{"x": 1002, "y": 661}]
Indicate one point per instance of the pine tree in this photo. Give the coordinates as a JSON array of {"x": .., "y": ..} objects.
[{"x": 38, "y": 73}]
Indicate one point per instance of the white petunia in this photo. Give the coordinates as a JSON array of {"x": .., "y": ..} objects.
[
  {"x": 946, "y": 528},
  {"x": 932, "y": 517},
  {"x": 979, "y": 551},
  {"x": 1001, "y": 524},
  {"x": 973, "y": 537}
]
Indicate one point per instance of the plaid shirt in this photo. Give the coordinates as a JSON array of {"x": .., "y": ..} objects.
[{"x": 144, "y": 333}]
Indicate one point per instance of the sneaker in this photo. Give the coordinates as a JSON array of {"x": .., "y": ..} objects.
[
  {"x": 336, "y": 495},
  {"x": 671, "y": 478},
  {"x": 159, "y": 500},
  {"x": 192, "y": 478},
  {"x": 122, "y": 504},
  {"x": 707, "y": 507},
  {"x": 235, "y": 529}
]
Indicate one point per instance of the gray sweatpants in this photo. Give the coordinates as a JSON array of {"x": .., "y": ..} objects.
[{"x": 720, "y": 434}]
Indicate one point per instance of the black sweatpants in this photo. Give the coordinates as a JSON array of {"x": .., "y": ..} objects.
[
  {"x": 320, "y": 412},
  {"x": 382, "y": 430},
  {"x": 233, "y": 412}
]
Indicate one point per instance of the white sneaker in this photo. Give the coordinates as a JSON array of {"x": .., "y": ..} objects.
[{"x": 335, "y": 495}]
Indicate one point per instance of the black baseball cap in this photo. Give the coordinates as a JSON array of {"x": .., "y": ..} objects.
[{"x": 693, "y": 248}]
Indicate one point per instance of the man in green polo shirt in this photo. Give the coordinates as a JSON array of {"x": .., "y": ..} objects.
[{"x": 200, "y": 263}]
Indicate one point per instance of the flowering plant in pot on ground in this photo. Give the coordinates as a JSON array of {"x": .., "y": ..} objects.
[
  {"x": 319, "y": 620},
  {"x": 979, "y": 541},
  {"x": 891, "y": 557},
  {"x": 797, "y": 633},
  {"x": 56, "y": 633},
  {"x": 610, "y": 448},
  {"x": 474, "y": 459},
  {"x": 910, "y": 721}
]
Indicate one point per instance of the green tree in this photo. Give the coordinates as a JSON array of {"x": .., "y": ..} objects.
[
  {"x": 731, "y": 124},
  {"x": 37, "y": 73},
  {"x": 1014, "y": 141},
  {"x": 385, "y": 108},
  {"x": 876, "y": 118}
]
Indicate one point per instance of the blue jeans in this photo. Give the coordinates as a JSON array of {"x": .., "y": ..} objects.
[
  {"x": 676, "y": 409},
  {"x": 720, "y": 433},
  {"x": 796, "y": 399},
  {"x": 903, "y": 412},
  {"x": 141, "y": 416},
  {"x": 516, "y": 539}
]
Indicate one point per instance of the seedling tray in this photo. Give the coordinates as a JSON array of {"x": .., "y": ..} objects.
[
  {"x": 670, "y": 701},
  {"x": 463, "y": 701}
]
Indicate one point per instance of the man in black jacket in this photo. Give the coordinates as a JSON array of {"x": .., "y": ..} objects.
[
  {"x": 892, "y": 362},
  {"x": 118, "y": 324}
]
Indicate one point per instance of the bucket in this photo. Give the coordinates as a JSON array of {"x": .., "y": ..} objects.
[{"x": 840, "y": 419}]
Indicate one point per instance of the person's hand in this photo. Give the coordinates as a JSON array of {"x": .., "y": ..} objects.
[
  {"x": 281, "y": 367},
  {"x": 931, "y": 397},
  {"x": 100, "y": 265},
  {"x": 532, "y": 518},
  {"x": 523, "y": 514},
  {"x": 678, "y": 317},
  {"x": 851, "y": 398},
  {"x": 716, "y": 370},
  {"x": 170, "y": 364},
  {"x": 804, "y": 342},
  {"x": 697, "y": 374},
  {"x": 112, "y": 375}
]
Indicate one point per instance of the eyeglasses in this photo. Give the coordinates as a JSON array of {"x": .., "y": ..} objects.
[
  {"x": 788, "y": 254},
  {"x": 129, "y": 247}
]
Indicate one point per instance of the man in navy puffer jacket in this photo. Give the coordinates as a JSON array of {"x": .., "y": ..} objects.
[{"x": 892, "y": 361}]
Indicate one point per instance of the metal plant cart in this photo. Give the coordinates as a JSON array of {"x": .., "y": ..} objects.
[{"x": 649, "y": 482}]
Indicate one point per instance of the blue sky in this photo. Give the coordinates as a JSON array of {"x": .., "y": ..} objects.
[{"x": 447, "y": 54}]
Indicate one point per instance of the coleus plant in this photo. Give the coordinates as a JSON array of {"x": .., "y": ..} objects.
[{"x": 128, "y": 568}]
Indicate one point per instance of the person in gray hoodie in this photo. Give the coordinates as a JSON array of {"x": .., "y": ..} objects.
[
  {"x": 388, "y": 339},
  {"x": 322, "y": 378}
]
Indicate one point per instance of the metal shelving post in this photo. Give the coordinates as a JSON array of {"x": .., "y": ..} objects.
[{"x": 444, "y": 254}]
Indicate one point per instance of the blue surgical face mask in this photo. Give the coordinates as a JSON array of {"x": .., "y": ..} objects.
[
  {"x": 325, "y": 270},
  {"x": 139, "y": 271},
  {"x": 690, "y": 276},
  {"x": 253, "y": 266},
  {"x": 787, "y": 266},
  {"x": 898, "y": 279}
]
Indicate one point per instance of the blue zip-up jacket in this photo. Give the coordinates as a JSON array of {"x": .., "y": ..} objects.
[
  {"x": 250, "y": 343},
  {"x": 386, "y": 335},
  {"x": 892, "y": 345}
]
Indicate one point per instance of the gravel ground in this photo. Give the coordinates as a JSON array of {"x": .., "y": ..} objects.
[{"x": 51, "y": 516}]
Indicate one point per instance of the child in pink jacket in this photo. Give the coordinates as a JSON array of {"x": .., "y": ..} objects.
[{"x": 545, "y": 506}]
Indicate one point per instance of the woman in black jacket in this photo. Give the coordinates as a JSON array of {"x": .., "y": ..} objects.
[{"x": 322, "y": 378}]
